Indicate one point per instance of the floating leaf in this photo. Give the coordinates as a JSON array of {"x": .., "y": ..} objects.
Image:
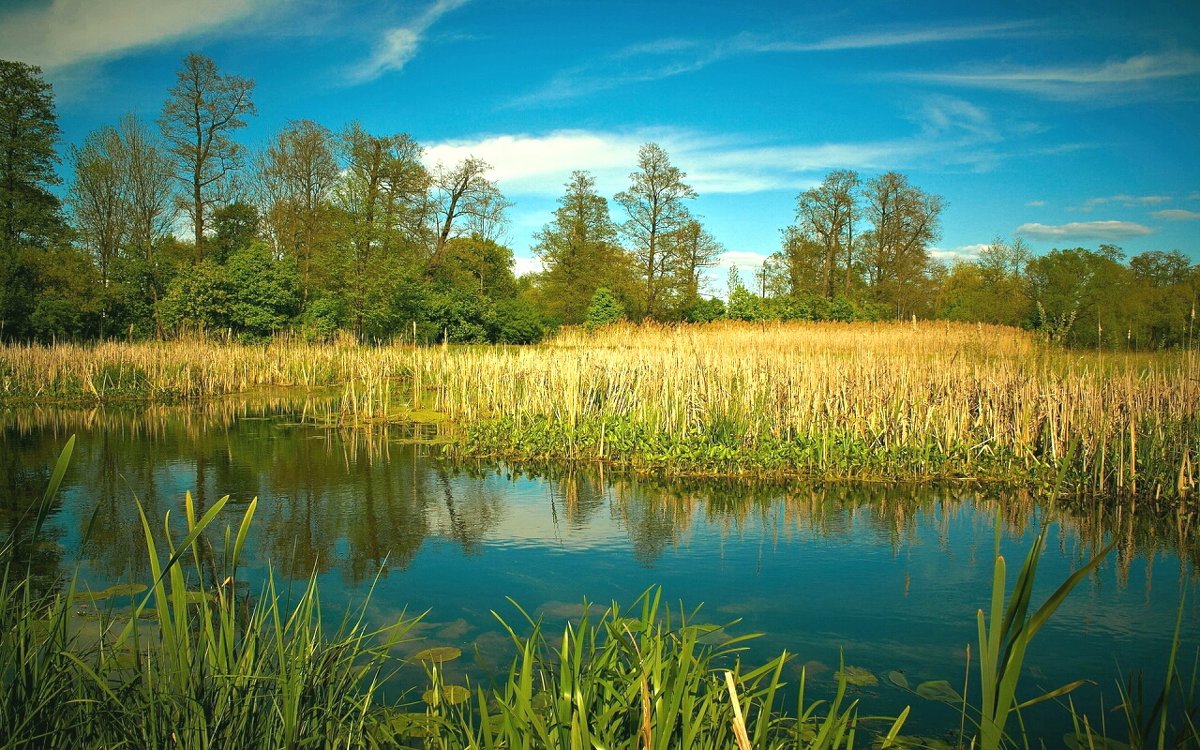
[
  {"x": 438, "y": 654},
  {"x": 897, "y": 678},
  {"x": 196, "y": 597},
  {"x": 857, "y": 676},
  {"x": 1075, "y": 742},
  {"x": 450, "y": 694},
  {"x": 413, "y": 725},
  {"x": 542, "y": 701},
  {"x": 125, "y": 589},
  {"x": 938, "y": 690}
]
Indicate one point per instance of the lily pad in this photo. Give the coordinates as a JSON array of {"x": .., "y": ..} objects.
[
  {"x": 196, "y": 597},
  {"x": 897, "y": 678},
  {"x": 449, "y": 694},
  {"x": 857, "y": 676},
  {"x": 438, "y": 654},
  {"x": 126, "y": 589},
  {"x": 938, "y": 690},
  {"x": 543, "y": 701},
  {"x": 413, "y": 725}
]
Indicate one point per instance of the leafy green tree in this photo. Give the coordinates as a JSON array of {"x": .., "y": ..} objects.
[
  {"x": 197, "y": 300},
  {"x": 263, "y": 292},
  {"x": 198, "y": 119},
  {"x": 235, "y": 227},
  {"x": 1082, "y": 297},
  {"x": 96, "y": 197},
  {"x": 905, "y": 221},
  {"x": 516, "y": 321},
  {"x": 825, "y": 219},
  {"x": 478, "y": 263},
  {"x": 30, "y": 213},
  {"x": 67, "y": 305},
  {"x": 579, "y": 252},
  {"x": 604, "y": 309},
  {"x": 380, "y": 207},
  {"x": 654, "y": 203},
  {"x": 693, "y": 251},
  {"x": 295, "y": 179}
]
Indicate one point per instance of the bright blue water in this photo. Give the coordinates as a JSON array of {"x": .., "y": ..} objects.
[{"x": 883, "y": 577}]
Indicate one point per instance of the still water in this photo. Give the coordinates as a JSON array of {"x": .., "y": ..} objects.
[{"x": 886, "y": 577}]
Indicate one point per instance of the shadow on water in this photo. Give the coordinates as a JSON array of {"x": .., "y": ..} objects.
[{"x": 888, "y": 576}]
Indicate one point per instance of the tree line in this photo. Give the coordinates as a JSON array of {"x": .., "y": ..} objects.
[{"x": 323, "y": 233}]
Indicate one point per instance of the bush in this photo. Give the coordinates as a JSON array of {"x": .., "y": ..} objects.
[{"x": 603, "y": 310}]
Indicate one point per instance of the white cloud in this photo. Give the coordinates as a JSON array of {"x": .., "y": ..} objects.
[
  {"x": 399, "y": 45},
  {"x": 1125, "y": 200},
  {"x": 1095, "y": 230},
  {"x": 1195, "y": 196},
  {"x": 71, "y": 31},
  {"x": 525, "y": 266},
  {"x": 528, "y": 164},
  {"x": 1175, "y": 214},
  {"x": 963, "y": 252},
  {"x": 1035, "y": 204},
  {"x": 1075, "y": 82}
]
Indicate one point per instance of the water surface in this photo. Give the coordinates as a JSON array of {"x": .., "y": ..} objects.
[{"x": 884, "y": 577}]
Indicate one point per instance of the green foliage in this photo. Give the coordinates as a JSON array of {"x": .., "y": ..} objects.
[
  {"x": 516, "y": 321},
  {"x": 263, "y": 293},
  {"x": 604, "y": 309},
  {"x": 28, "y": 134},
  {"x": 321, "y": 319},
  {"x": 744, "y": 305},
  {"x": 705, "y": 310}
]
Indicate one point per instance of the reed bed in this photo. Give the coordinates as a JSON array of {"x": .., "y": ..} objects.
[{"x": 865, "y": 401}]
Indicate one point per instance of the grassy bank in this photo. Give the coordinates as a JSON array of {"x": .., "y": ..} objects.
[{"x": 864, "y": 401}]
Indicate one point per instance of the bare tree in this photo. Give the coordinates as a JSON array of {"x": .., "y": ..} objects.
[
  {"x": 147, "y": 186},
  {"x": 654, "y": 203},
  {"x": 465, "y": 202},
  {"x": 95, "y": 197},
  {"x": 198, "y": 119}
]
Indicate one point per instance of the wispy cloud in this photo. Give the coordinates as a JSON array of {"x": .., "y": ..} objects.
[
  {"x": 665, "y": 58},
  {"x": 1176, "y": 214},
  {"x": 899, "y": 37},
  {"x": 1085, "y": 230},
  {"x": 398, "y": 45},
  {"x": 67, "y": 32},
  {"x": 1035, "y": 204},
  {"x": 1072, "y": 82},
  {"x": 1124, "y": 200}
]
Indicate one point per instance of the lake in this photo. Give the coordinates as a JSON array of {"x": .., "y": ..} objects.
[{"x": 885, "y": 577}]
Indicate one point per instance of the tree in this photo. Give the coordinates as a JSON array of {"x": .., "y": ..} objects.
[
  {"x": 579, "y": 251},
  {"x": 30, "y": 215},
  {"x": 603, "y": 310},
  {"x": 147, "y": 186},
  {"x": 905, "y": 220},
  {"x": 465, "y": 202},
  {"x": 235, "y": 226},
  {"x": 29, "y": 211},
  {"x": 381, "y": 202},
  {"x": 198, "y": 119},
  {"x": 96, "y": 197},
  {"x": 825, "y": 218},
  {"x": 693, "y": 250},
  {"x": 654, "y": 203},
  {"x": 296, "y": 177}
]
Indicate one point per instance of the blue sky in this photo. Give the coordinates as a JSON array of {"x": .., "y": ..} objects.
[{"x": 1063, "y": 123}]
